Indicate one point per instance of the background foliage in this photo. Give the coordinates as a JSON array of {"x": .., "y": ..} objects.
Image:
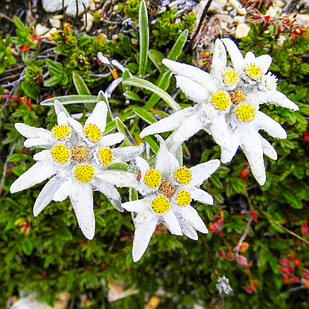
[{"x": 49, "y": 254}]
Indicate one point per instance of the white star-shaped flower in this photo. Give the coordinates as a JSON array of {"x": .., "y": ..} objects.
[
  {"x": 168, "y": 190},
  {"x": 228, "y": 106},
  {"x": 77, "y": 157}
]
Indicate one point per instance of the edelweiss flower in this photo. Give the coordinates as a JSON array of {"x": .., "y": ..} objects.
[
  {"x": 228, "y": 106},
  {"x": 77, "y": 157},
  {"x": 210, "y": 91},
  {"x": 168, "y": 190}
]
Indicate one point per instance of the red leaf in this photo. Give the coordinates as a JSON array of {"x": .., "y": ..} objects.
[{"x": 254, "y": 216}]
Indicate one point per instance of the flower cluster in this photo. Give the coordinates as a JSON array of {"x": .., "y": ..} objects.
[
  {"x": 77, "y": 157},
  {"x": 228, "y": 100},
  {"x": 80, "y": 158}
]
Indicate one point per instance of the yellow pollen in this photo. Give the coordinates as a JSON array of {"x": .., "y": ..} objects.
[
  {"x": 92, "y": 132},
  {"x": 61, "y": 131},
  {"x": 245, "y": 112},
  {"x": 60, "y": 153},
  {"x": 221, "y": 100},
  {"x": 84, "y": 172},
  {"x": 167, "y": 188},
  {"x": 230, "y": 77},
  {"x": 80, "y": 153},
  {"x": 183, "y": 175},
  {"x": 105, "y": 156},
  {"x": 160, "y": 204},
  {"x": 237, "y": 96},
  {"x": 152, "y": 178},
  {"x": 183, "y": 198},
  {"x": 254, "y": 72}
]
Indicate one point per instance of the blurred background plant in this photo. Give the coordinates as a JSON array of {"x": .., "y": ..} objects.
[{"x": 258, "y": 235}]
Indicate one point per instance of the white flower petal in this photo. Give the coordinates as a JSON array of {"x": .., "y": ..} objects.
[
  {"x": 235, "y": 54},
  {"x": 200, "y": 196},
  {"x": 143, "y": 231},
  {"x": 170, "y": 123},
  {"x": 201, "y": 77},
  {"x": 43, "y": 155},
  {"x": 103, "y": 59},
  {"x": 64, "y": 190},
  {"x": 118, "y": 178},
  {"x": 76, "y": 125},
  {"x": 191, "y": 89},
  {"x": 203, "y": 171},
  {"x": 111, "y": 139},
  {"x": 226, "y": 155},
  {"x": 59, "y": 108},
  {"x": 171, "y": 222},
  {"x": 186, "y": 227},
  {"x": 191, "y": 215},
  {"x": 34, "y": 175},
  {"x": 62, "y": 119},
  {"x": 46, "y": 194},
  {"x": 220, "y": 132},
  {"x": 268, "y": 149},
  {"x": 219, "y": 59},
  {"x": 82, "y": 203},
  {"x": 98, "y": 116},
  {"x": 188, "y": 128},
  {"x": 31, "y": 132},
  {"x": 270, "y": 126},
  {"x": 39, "y": 142},
  {"x": 128, "y": 153},
  {"x": 166, "y": 163},
  {"x": 252, "y": 147},
  {"x": 264, "y": 62},
  {"x": 142, "y": 164},
  {"x": 138, "y": 206},
  {"x": 277, "y": 98}
]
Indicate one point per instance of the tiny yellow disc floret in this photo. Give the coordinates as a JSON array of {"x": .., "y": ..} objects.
[
  {"x": 254, "y": 72},
  {"x": 92, "y": 132},
  {"x": 183, "y": 198},
  {"x": 245, "y": 112},
  {"x": 61, "y": 131},
  {"x": 230, "y": 77},
  {"x": 160, "y": 204},
  {"x": 221, "y": 100},
  {"x": 183, "y": 175},
  {"x": 80, "y": 153},
  {"x": 152, "y": 178},
  {"x": 60, "y": 153},
  {"x": 84, "y": 172},
  {"x": 105, "y": 156}
]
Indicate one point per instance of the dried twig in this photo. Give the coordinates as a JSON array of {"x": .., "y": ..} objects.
[{"x": 243, "y": 237}]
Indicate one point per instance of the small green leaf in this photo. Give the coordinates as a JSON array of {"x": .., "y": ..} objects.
[
  {"x": 80, "y": 85},
  {"x": 143, "y": 38},
  {"x": 26, "y": 245},
  {"x": 292, "y": 199},
  {"x": 144, "y": 114},
  {"x": 71, "y": 99},
  {"x": 130, "y": 95},
  {"x": 138, "y": 82},
  {"x": 128, "y": 140},
  {"x": 156, "y": 57},
  {"x": 152, "y": 143}
]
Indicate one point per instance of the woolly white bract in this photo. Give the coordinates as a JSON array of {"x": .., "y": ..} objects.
[
  {"x": 168, "y": 190},
  {"x": 77, "y": 157},
  {"x": 228, "y": 100}
]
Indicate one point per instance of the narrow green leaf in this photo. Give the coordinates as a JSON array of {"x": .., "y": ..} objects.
[
  {"x": 128, "y": 140},
  {"x": 152, "y": 143},
  {"x": 138, "y": 82},
  {"x": 156, "y": 57},
  {"x": 71, "y": 99},
  {"x": 125, "y": 75},
  {"x": 55, "y": 68},
  {"x": 144, "y": 114},
  {"x": 80, "y": 85},
  {"x": 102, "y": 97},
  {"x": 163, "y": 84},
  {"x": 143, "y": 38},
  {"x": 292, "y": 199},
  {"x": 178, "y": 46},
  {"x": 26, "y": 245},
  {"x": 130, "y": 95}
]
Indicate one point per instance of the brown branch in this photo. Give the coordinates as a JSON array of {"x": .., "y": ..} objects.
[{"x": 243, "y": 236}]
